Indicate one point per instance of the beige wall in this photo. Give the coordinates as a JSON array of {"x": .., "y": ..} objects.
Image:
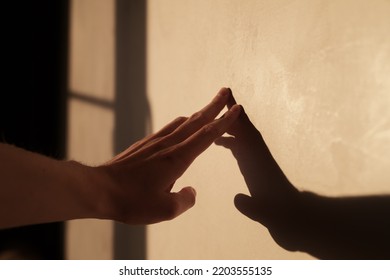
[
  {"x": 313, "y": 76},
  {"x": 90, "y": 110}
]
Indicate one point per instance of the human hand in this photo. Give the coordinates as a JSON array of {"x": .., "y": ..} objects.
[
  {"x": 273, "y": 200},
  {"x": 139, "y": 180}
]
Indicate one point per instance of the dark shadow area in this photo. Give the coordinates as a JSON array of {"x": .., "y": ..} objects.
[
  {"x": 132, "y": 112},
  {"x": 324, "y": 227},
  {"x": 32, "y": 114}
]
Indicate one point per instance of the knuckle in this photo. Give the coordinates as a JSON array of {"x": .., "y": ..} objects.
[
  {"x": 197, "y": 117},
  {"x": 159, "y": 145},
  {"x": 180, "y": 119},
  {"x": 172, "y": 160},
  {"x": 211, "y": 130},
  {"x": 169, "y": 158}
]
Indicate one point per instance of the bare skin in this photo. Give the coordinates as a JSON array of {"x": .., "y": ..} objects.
[{"x": 134, "y": 187}]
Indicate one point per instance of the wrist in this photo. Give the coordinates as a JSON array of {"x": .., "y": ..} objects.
[
  {"x": 309, "y": 224},
  {"x": 91, "y": 192}
]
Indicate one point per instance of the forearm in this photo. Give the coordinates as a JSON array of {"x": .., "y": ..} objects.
[
  {"x": 37, "y": 189},
  {"x": 135, "y": 187},
  {"x": 346, "y": 227}
]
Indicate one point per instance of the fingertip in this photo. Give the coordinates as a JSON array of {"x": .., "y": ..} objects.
[
  {"x": 245, "y": 204},
  {"x": 188, "y": 197},
  {"x": 178, "y": 203},
  {"x": 190, "y": 189},
  {"x": 235, "y": 110},
  {"x": 231, "y": 101},
  {"x": 241, "y": 200},
  {"x": 227, "y": 142},
  {"x": 223, "y": 92}
]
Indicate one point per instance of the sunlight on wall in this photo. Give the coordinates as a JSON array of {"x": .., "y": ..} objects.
[
  {"x": 311, "y": 74},
  {"x": 314, "y": 78},
  {"x": 90, "y": 111}
]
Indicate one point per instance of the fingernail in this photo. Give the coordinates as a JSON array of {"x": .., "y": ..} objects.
[
  {"x": 194, "y": 191},
  {"x": 236, "y": 108},
  {"x": 224, "y": 92}
]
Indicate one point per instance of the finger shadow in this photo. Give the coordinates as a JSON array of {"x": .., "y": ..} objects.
[{"x": 324, "y": 227}]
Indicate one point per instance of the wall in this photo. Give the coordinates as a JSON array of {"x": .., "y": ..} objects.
[
  {"x": 312, "y": 75},
  {"x": 90, "y": 110},
  {"x": 314, "y": 78},
  {"x": 108, "y": 109}
]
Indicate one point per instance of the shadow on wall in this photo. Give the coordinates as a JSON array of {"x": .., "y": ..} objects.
[
  {"x": 325, "y": 227},
  {"x": 132, "y": 112},
  {"x": 32, "y": 107},
  {"x": 130, "y": 106}
]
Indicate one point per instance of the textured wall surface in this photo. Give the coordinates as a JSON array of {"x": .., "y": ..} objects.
[
  {"x": 314, "y": 78},
  {"x": 90, "y": 110},
  {"x": 313, "y": 75}
]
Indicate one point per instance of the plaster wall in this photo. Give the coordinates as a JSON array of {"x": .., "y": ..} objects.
[
  {"x": 313, "y": 77},
  {"x": 90, "y": 112}
]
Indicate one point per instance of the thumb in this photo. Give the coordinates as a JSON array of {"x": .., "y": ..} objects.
[
  {"x": 182, "y": 201},
  {"x": 226, "y": 142},
  {"x": 247, "y": 206}
]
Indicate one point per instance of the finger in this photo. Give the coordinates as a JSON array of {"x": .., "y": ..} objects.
[
  {"x": 242, "y": 123},
  {"x": 180, "y": 202},
  {"x": 201, "y": 118},
  {"x": 247, "y": 206},
  {"x": 193, "y": 146},
  {"x": 231, "y": 101},
  {"x": 169, "y": 128},
  {"x": 264, "y": 211},
  {"x": 229, "y": 143},
  {"x": 188, "y": 127},
  {"x": 242, "y": 127},
  {"x": 226, "y": 142}
]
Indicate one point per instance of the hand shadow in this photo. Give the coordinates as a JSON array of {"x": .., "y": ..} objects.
[{"x": 325, "y": 227}]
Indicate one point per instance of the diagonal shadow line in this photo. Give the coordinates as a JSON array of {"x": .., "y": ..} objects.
[
  {"x": 95, "y": 101},
  {"x": 132, "y": 112}
]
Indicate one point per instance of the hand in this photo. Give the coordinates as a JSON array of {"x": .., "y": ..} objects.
[
  {"x": 140, "y": 179},
  {"x": 273, "y": 200}
]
